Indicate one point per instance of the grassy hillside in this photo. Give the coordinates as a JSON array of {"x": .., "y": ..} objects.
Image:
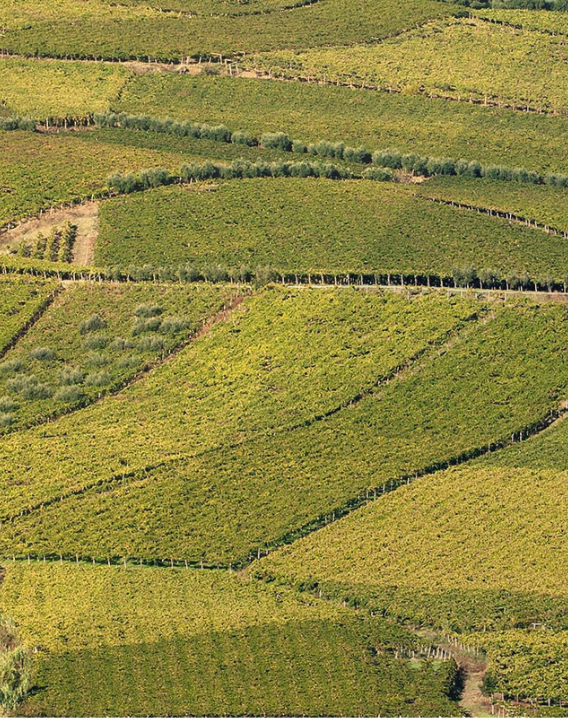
[
  {"x": 377, "y": 120},
  {"x": 67, "y": 89},
  {"x": 84, "y": 347},
  {"x": 142, "y": 33},
  {"x": 144, "y": 641},
  {"x": 205, "y": 397},
  {"x": 463, "y": 59},
  {"x": 218, "y": 504},
  {"x": 20, "y": 299},
  {"x": 296, "y": 225},
  {"x": 541, "y": 203}
]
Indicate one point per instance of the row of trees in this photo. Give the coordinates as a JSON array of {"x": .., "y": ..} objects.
[
  {"x": 238, "y": 169},
  {"x": 56, "y": 247},
  {"x": 390, "y": 158},
  {"x": 557, "y": 5}
]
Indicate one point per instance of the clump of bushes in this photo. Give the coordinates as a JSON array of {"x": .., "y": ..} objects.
[
  {"x": 71, "y": 376},
  {"x": 93, "y": 324},
  {"x": 97, "y": 379},
  {"x": 42, "y": 354},
  {"x": 68, "y": 394}
]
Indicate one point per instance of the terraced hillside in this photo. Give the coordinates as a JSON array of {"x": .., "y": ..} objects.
[{"x": 283, "y": 358}]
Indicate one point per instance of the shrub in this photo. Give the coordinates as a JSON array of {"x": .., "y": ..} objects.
[
  {"x": 37, "y": 391},
  {"x": 69, "y": 377},
  {"x": 299, "y": 147},
  {"x": 69, "y": 394},
  {"x": 92, "y": 324},
  {"x": 7, "y": 405},
  {"x": 146, "y": 325},
  {"x": 276, "y": 141},
  {"x": 392, "y": 159},
  {"x": 6, "y": 420},
  {"x": 97, "y": 379},
  {"x": 120, "y": 344},
  {"x": 243, "y": 138},
  {"x": 97, "y": 359},
  {"x": 42, "y": 354},
  {"x": 378, "y": 174},
  {"x": 12, "y": 366},
  {"x": 173, "y": 324},
  {"x": 128, "y": 362},
  {"x": 150, "y": 344},
  {"x": 95, "y": 341},
  {"x": 17, "y": 384}
]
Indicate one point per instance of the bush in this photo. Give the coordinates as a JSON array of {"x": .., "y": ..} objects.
[
  {"x": 42, "y": 354},
  {"x": 17, "y": 384},
  {"x": 120, "y": 344},
  {"x": 299, "y": 147},
  {"x": 97, "y": 379},
  {"x": 392, "y": 159},
  {"x": 171, "y": 325},
  {"x": 93, "y": 324},
  {"x": 150, "y": 344},
  {"x": 128, "y": 362},
  {"x": 69, "y": 377},
  {"x": 33, "y": 392},
  {"x": 378, "y": 174},
  {"x": 243, "y": 138},
  {"x": 7, "y": 405},
  {"x": 12, "y": 366},
  {"x": 96, "y": 359},
  {"x": 6, "y": 420},
  {"x": 146, "y": 325},
  {"x": 276, "y": 141},
  {"x": 69, "y": 394},
  {"x": 15, "y": 675},
  {"x": 95, "y": 341}
]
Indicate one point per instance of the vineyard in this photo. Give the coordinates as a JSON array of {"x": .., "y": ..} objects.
[
  {"x": 442, "y": 60},
  {"x": 183, "y": 501},
  {"x": 320, "y": 226},
  {"x": 82, "y": 348},
  {"x": 102, "y": 31},
  {"x": 223, "y": 645},
  {"x": 283, "y": 358}
]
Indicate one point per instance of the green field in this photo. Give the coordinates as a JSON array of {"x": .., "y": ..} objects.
[
  {"x": 240, "y": 476},
  {"x": 119, "y": 33},
  {"x": 464, "y": 59},
  {"x": 68, "y": 89},
  {"x": 221, "y": 498},
  {"x": 42, "y": 171},
  {"x": 206, "y": 643},
  {"x": 204, "y": 399},
  {"x": 20, "y": 299},
  {"x": 538, "y": 203},
  {"x": 317, "y": 225},
  {"x": 69, "y": 359},
  {"x": 377, "y": 120}
]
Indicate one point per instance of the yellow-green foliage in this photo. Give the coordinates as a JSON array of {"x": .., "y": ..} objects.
[
  {"x": 61, "y": 89},
  {"x": 541, "y": 203},
  {"x": 554, "y": 22},
  {"x": 283, "y": 358},
  {"x": 464, "y": 59},
  {"x": 251, "y": 484},
  {"x": 303, "y": 225},
  {"x": 20, "y": 299},
  {"x": 133, "y": 641},
  {"x": 139, "y": 325},
  {"x": 378, "y": 120},
  {"x": 117, "y": 32}
]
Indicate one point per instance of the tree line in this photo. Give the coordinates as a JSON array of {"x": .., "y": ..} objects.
[{"x": 388, "y": 159}]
